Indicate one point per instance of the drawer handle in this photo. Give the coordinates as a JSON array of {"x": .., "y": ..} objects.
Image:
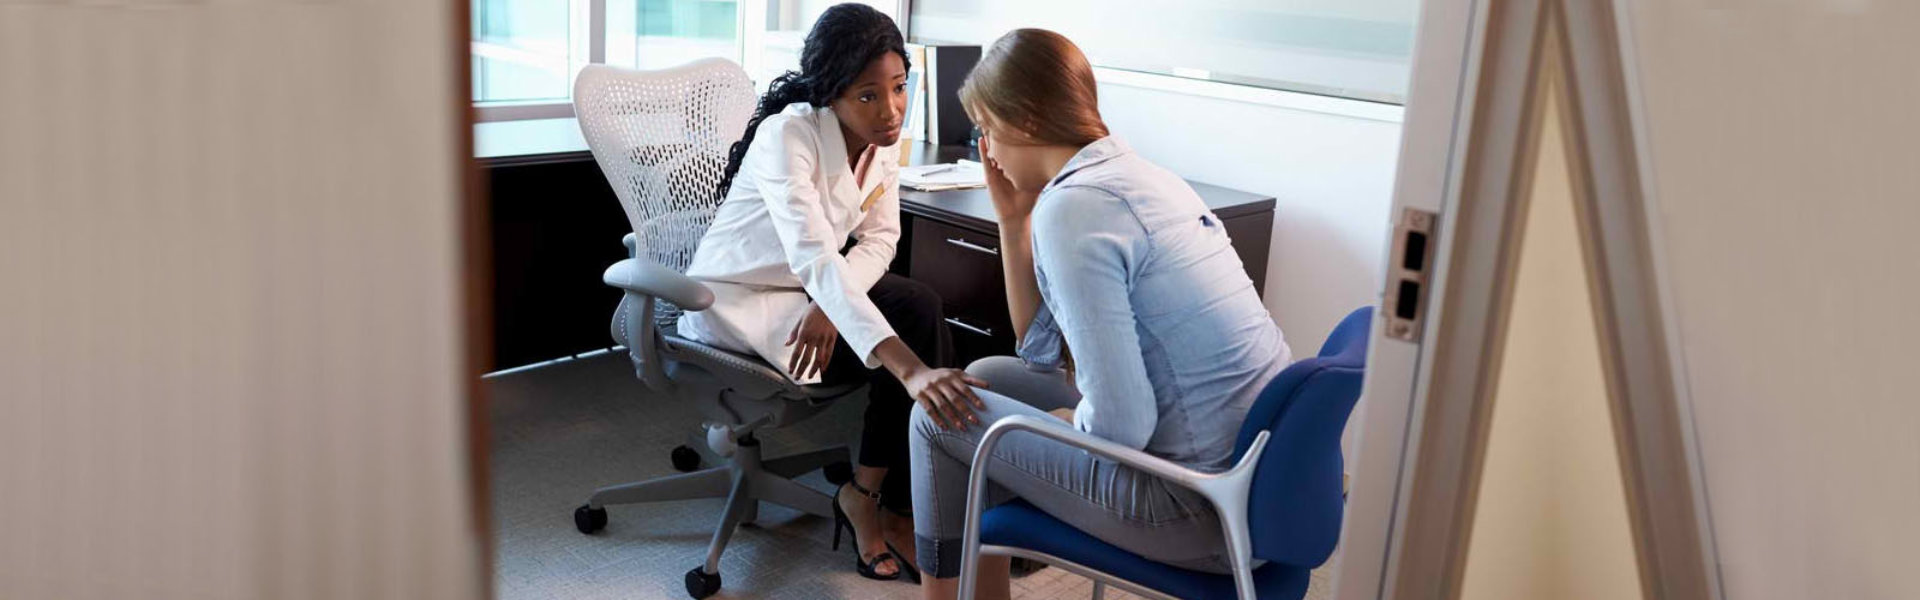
[
  {"x": 963, "y": 325},
  {"x": 972, "y": 246}
]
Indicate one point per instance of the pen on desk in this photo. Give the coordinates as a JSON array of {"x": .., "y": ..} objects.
[{"x": 937, "y": 169}]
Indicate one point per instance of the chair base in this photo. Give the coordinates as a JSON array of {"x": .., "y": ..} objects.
[{"x": 745, "y": 482}]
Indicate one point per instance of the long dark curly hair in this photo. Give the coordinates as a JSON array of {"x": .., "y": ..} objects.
[{"x": 845, "y": 39}]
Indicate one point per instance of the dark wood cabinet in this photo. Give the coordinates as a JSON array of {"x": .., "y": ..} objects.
[
  {"x": 963, "y": 266},
  {"x": 556, "y": 225},
  {"x": 952, "y": 243}
]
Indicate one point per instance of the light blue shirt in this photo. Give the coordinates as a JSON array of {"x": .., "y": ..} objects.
[{"x": 1170, "y": 341}]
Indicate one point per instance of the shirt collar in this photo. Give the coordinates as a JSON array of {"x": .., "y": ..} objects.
[
  {"x": 1101, "y": 150},
  {"x": 833, "y": 153}
]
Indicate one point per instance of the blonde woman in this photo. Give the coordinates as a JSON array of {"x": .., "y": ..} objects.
[{"x": 1119, "y": 260}]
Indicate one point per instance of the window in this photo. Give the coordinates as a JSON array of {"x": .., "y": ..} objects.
[
  {"x": 655, "y": 34},
  {"x": 522, "y": 50},
  {"x": 1347, "y": 48},
  {"x": 526, "y": 52},
  {"x": 785, "y": 32}
]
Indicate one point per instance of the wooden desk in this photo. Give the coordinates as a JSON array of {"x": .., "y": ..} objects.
[{"x": 555, "y": 225}]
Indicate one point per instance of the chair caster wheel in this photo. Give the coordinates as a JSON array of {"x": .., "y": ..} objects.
[
  {"x": 589, "y": 520},
  {"x": 700, "y": 584},
  {"x": 685, "y": 460},
  {"x": 838, "y": 473}
]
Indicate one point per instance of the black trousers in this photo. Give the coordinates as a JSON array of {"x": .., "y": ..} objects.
[{"x": 914, "y": 311}]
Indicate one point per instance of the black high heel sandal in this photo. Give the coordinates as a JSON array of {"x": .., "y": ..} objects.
[
  {"x": 862, "y": 565},
  {"x": 906, "y": 566}
]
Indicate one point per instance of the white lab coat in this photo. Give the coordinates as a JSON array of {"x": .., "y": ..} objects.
[{"x": 776, "y": 239}]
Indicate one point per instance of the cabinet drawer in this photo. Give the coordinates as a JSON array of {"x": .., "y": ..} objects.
[{"x": 963, "y": 266}]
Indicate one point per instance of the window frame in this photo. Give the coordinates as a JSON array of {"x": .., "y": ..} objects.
[
  {"x": 750, "y": 48},
  {"x": 1344, "y": 106},
  {"x": 591, "y": 49}
]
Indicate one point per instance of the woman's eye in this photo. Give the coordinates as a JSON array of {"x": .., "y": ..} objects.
[
  {"x": 866, "y": 97},
  {"x": 900, "y": 88}
]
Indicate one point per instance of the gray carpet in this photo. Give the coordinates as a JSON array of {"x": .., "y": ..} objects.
[{"x": 562, "y": 430}]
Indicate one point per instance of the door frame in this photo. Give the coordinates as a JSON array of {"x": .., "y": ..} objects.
[{"x": 1480, "y": 80}]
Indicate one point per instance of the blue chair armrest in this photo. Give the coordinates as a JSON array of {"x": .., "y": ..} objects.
[{"x": 1227, "y": 490}]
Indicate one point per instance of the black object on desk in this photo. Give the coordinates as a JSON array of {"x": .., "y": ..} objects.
[
  {"x": 556, "y": 225},
  {"x": 947, "y": 66}
]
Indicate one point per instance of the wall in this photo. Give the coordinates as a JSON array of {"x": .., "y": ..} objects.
[
  {"x": 231, "y": 346},
  {"x": 1551, "y": 516},
  {"x": 1781, "y": 139},
  {"x": 1331, "y": 174}
]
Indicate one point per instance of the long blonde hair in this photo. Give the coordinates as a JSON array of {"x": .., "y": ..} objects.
[{"x": 1038, "y": 83}]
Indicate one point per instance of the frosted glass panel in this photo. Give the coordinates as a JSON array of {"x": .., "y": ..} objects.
[
  {"x": 788, "y": 22},
  {"x": 520, "y": 50},
  {"x": 1782, "y": 139},
  {"x": 656, "y": 34},
  {"x": 1349, "y": 48}
]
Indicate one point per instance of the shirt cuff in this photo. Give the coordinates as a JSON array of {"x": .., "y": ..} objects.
[
  {"x": 1040, "y": 347},
  {"x": 863, "y": 344}
]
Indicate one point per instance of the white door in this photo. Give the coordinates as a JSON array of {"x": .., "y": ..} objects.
[
  {"x": 1780, "y": 146},
  {"x": 1426, "y": 175},
  {"x": 1744, "y": 180},
  {"x": 234, "y": 356}
]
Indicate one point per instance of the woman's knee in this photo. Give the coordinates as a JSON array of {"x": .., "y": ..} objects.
[
  {"x": 997, "y": 367},
  {"x": 920, "y": 423},
  {"x": 922, "y": 297},
  {"x": 909, "y": 297},
  {"x": 923, "y": 426},
  {"x": 1041, "y": 387}
]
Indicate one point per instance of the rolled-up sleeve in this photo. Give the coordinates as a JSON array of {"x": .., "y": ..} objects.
[
  {"x": 1042, "y": 346},
  {"x": 783, "y": 159},
  {"x": 1088, "y": 246}
]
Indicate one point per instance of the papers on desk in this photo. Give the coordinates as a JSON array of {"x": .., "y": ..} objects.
[{"x": 951, "y": 176}]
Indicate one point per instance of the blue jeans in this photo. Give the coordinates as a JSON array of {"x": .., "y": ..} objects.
[{"x": 1138, "y": 512}]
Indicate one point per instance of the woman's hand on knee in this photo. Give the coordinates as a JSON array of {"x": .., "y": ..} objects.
[
  {"x": 947, "y": 395},
  {"x": 815, "y": 337}
]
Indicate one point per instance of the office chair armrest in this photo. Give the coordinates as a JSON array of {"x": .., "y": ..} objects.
[
  {"x": 632, "y": 242},
  {"x": 646, "y": 278},
  {"x": 1227, "y": 490}
]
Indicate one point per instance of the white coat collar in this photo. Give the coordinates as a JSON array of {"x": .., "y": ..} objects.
[{"x": 834, "y": 161}]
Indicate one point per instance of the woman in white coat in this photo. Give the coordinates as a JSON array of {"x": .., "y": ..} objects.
[{"x": 818, "y": 164}]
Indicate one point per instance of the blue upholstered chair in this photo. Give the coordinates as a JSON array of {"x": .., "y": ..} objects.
[{"x": 1280, "y": 503}]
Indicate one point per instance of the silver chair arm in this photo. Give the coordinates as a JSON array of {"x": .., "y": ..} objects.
[
  {"x": 1227, "y": 490},
  {"x": 650, "y": 279},
  {"x": 644, "y": 282}
]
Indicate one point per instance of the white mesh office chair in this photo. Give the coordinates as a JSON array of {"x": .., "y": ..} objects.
[{"x": 661, "y": 138}]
